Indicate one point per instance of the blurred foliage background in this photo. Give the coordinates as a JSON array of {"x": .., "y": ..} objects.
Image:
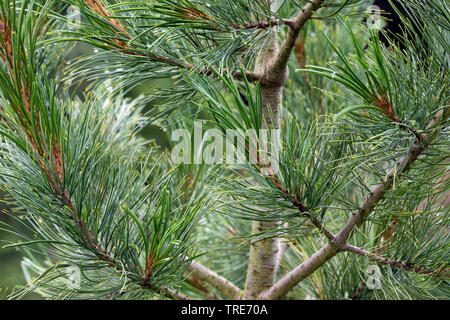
[{"x": 11, "y": 274}]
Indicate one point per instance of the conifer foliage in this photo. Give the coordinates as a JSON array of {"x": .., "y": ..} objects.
[{"x": 346, "y": 196}]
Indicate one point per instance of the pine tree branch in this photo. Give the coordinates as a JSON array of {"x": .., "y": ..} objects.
[
  {"x": 388, "y": 233},
  {"x": 359, "y": 291},
  {"x": 123, "y": 48},
  {"x": 383, "y": 102},
  {"x": 258, "y": 25},
  {"x": 303, "y": 209},
  {"x": 401, "y": 167},
  {"x": 398, "y": 264},
  {"x": 172, "y": 294},
  {"x": 285, "y": 284},
  {"x": 226, "y": 287},
  {"x": 194, "y": 14},
  {"x": 316, "y": 222},
  {"x": 290, "y": 280},
  {"x": 202, "y": 286},
  {"x": 97, "y": 6},
  {"x": 105, "y": 256},
  {"x": 295, "y": 26},
  {"x": 251, "y": 76}
]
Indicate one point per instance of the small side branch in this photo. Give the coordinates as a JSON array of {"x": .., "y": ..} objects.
[
  {"x": 125, "y": 49},
  {"x": 251, "y": 76},
  {"x": 196, "y": 15},
  {"x": 303, "y": 210},
  {"x": 172, "y": 294},
  {"x": 257, "y": 25},
  {"x": 226, "y": 287},
  {"x": 441, "y": 271},
  {"x": 316, "y": 222},
  {"x": 402, "y": 166},
  {"x": 285, "y": 284}
]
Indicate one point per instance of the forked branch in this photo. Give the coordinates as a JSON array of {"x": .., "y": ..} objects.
[{"x": 295, "y": 26}]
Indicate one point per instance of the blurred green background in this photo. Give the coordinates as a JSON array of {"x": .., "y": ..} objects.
[
  {"x": 11, "y": 274},
  {"x": 10, "y": 271}
]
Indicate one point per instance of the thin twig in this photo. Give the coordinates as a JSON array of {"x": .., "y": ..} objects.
[
  {"x": 172, "y": 294},
  {"x": 398, "y": 264},
  {"x": 124, "y": 48}
]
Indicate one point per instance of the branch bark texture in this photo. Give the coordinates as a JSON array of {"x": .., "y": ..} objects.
[{"x": 226, "y": 287}]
